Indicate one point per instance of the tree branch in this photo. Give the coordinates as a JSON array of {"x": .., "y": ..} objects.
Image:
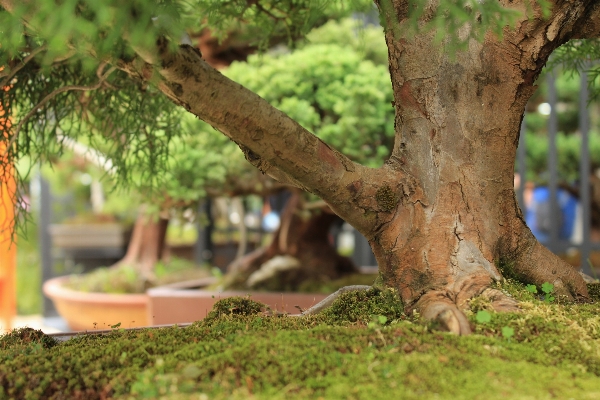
[
  {"x": 14, "y": 71},
  {"x": 589, "y": 27},
  {"x": 270, "y": 140}
]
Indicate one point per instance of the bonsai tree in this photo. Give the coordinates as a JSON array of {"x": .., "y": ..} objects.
[{"x": 440, "y": 214}]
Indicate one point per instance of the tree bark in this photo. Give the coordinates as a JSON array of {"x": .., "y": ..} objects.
[{"x": 147, "y": 243}]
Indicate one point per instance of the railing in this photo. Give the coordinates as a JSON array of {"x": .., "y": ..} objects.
[{"x": 554, "y": 242}]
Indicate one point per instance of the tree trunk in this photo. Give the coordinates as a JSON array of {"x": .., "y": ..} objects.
[
  {"x": 147, "y": 243},
  {"x": 441, "y": 214},
  {"x": 303, "y": 249},
  {"x": 457, "y": 126}
]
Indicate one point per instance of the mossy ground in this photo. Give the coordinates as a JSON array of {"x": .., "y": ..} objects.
[{"x": 361, "y": 348}]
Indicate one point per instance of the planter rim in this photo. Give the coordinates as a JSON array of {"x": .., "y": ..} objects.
[
  {"x": 54, "y": 289},
  {"x": 161, "y": 291}
]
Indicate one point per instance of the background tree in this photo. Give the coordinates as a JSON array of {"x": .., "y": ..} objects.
[{"x": 440, "y": 214}]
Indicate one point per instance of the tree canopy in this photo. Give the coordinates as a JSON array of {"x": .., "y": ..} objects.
[{"x": 61, "y": 62}]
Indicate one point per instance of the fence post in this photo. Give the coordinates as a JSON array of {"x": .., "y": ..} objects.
[
  {"x": 553, "y": 163},
  {"x": 584, "y": 176},
  {"x": 522, "y": 167}
]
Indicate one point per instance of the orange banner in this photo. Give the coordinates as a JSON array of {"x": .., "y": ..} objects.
[{"x": 8, "y": 248}]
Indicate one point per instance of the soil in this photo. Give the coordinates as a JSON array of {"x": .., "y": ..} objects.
[{"x": 362, "y": 347}]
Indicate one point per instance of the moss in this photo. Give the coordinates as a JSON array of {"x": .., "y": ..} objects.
[
  {"x": 594, "y": 291},
  {"x": 24, "y": 337},
  {"x": 506, "y": 267},
  {"x": 387, "y": 200},
  {"x": 235, "y": 306},
  {"x": 239, "y": 353},
  {"x": 128, "y": 279},
  {"x": 506, "y": 256},
  {"x": 364, "y": 305}
]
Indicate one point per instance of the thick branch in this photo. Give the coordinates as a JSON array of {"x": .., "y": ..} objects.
[
  {"x": 589, "y": 26},
  {"x": 270, "y": 140}
]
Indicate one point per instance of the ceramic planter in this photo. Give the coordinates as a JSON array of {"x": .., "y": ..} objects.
[
  {"x": 94, "y": 311},
  {"x": 187, "y": 302}
]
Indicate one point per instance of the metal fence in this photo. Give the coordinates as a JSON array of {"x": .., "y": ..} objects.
[{"x": 554, "y": 242}]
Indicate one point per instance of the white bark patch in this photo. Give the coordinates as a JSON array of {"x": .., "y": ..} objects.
[
  {"x": 470, "y": 259},
  {"x": 553, "y": 29},
  {"x": 271, "y": 268}
]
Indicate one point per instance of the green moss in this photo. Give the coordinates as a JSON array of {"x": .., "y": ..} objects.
[
  {"x": 506, "y": 267},
  {"x": 234, "y": 306},
  {"x": 362, "y": 306},
  {"x": 24, "y": 337},
  {"x": 387, "y": 200},
  {"x": 128, "y": 279},
  {"x": 238, "y": 352},
  {"x": 594, "y": 291}
]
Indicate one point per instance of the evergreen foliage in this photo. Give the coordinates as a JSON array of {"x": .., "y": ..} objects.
[{"x": 61, "y": 67}]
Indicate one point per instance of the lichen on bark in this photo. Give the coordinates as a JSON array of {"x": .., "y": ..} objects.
[{"x": 387, "y": 200}]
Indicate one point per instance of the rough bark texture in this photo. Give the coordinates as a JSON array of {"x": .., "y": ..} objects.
[{"x": 442, "y": 211}]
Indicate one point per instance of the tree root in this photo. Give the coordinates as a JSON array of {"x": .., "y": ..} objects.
[
  {"x": 436, "y": 306},
  {"x": 442, "y": 308},
  {"x": 325, "y": 303}
]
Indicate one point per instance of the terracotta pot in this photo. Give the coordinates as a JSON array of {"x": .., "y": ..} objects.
[
  {"x": 180, "y": 304},
  {"x": 93, "y": 311}
]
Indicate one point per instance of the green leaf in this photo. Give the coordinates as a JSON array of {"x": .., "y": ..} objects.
[
  {"x": 547, "y": 287},
  {"x": 115, "y": 326},
  {"x": 507, "y": 332},
  {"x": 382, "y": 319},
  {"x": 531, "y": 288},
  {"x": 483, "y": 316}
]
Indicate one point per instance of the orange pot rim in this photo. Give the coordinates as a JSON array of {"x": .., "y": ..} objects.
[{"x": 54, "y": 289}]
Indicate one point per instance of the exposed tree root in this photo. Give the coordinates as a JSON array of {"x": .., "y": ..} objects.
[
  {"x": 441, "y": 308},
  {"x": 529, "y": 261},
  {"x": 325, "y": 303}
]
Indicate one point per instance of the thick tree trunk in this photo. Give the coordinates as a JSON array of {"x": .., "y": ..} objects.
[
  {"x": 300, "y": 252},
  {"x": 457, "y": 126},
  {"x": 147, "y": 243}
]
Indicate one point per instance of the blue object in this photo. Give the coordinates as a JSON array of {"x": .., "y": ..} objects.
[{"x": 539, "y": 216}]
